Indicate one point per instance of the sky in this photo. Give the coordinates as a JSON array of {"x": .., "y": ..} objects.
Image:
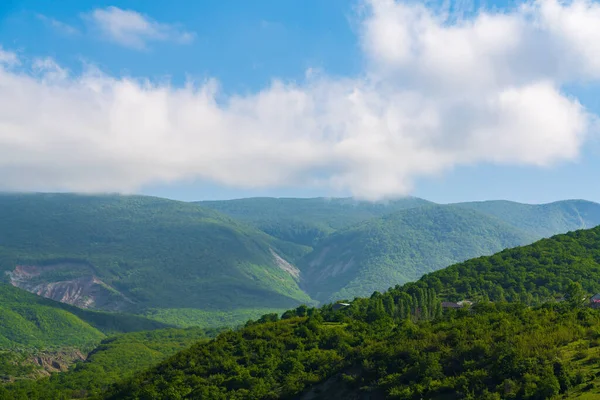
[{"x": 447, "y": 100}]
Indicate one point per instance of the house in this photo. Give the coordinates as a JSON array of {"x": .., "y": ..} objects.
[
  {"x": 595, "y": 301},
  {"x": 449, "y": 304},
  {"x": 465, "y": 303},
  {"x": 339, "y": 306}
]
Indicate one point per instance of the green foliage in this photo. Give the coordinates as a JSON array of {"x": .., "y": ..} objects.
[
  {"x": 307, "y": 221},
  {"x": 398, "y": 344},
  {"x": 188, "y": 317},
  {"x": 401, "y": 247},
  {"x": 540, "y": 272},
  {"x": 543, "y": 220},
  {"x": 155, "y": 252},
  {"x": 32, "y": 322},
  {"x": 496, "y": 351},
  {"x": 116, "y": 358}
]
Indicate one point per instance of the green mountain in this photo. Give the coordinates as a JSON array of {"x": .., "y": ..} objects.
[
  {"x": 401, "y": 247},
  {"x": 142, "y": 255},
  {"x": 38, "y": 334},
  {"x": 543, "y": 220},
  {"x": 360, "y": 247},
  {"x": 306, "y": 221},
  {"x": 114, "y": 359},
  {"x": 30, "y": 322},
  {"x": 401, "y": 345},
  {"x": 530, "y": 274}
]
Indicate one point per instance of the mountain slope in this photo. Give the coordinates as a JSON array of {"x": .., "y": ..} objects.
[
  {"x": 536, "y": 272},
  {"x": 28, "y": 321},
  {"x": 542, "y": 220},
  {"x": 306, "y": 221},
  {"x": 135, "y": 253},
  {"x": 114, "y": 359},
  {"x": 401, "y": 247},
  {"x": 401, "y": 345}
]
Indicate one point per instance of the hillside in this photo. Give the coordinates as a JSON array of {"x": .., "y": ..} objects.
[
  {"x": 306, "y": 221},
  {"x": 38, "y": 335},
  {"x": 114, "y": 359},
  {"x": 401, "y": 345},
  {"x": 542, "y": 220},
  {"x": 32, "y": 322},
  {"x": 142, "y": 254},
  {"x": 400, "y": 247},
  {"x": 533, "y": 273}
]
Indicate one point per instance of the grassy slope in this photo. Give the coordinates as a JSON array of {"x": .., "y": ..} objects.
[
  {"x": 401, "y": 247},
  {"x": 306, "y": 221},
  {"x": 31, "y": 322},
  {"x": 543, "y": 220},
  {"x": 115, "y": 359},
  {"x": 159, "y": 253}
]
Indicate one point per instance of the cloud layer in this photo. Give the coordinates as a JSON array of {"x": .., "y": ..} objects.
[{"x": 434, "y": 95}]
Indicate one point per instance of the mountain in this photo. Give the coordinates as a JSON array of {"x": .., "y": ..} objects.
[
  {"x": 540, "y": 271},
  {"x": 115, "y": 358},
  {"x": 306, "y": 221},
  {"x": 142, "y": 255},
  {"x": 38, "y": 335},
  {"x": 542, "y": 220},
  {"x": 32, "y": 322},
  {"x": 401, "y": 345},
  {"x": 191, "y": 264},
  {"x": 359, "y": 247},
  {"x": 400, "y": 247}
]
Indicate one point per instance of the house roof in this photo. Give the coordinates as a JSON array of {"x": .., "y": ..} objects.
[{"x": 449, "y": 304}]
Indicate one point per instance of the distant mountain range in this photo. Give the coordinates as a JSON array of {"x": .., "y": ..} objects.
[
  {"x": 360, "y": 247},
  {"x": 217, "y": 262},
  {"x": 530, "y": 333},
  {"x": 142, "y": 264}
]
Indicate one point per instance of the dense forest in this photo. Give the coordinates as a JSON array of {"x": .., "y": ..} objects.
[
  {"x": 541, "y": 342},
  {"x": 143, "y": 254},
  {"x": 220, "y": 263},
  {"x": 114, "y": 359},
  {"x": 401, "y": 247}
]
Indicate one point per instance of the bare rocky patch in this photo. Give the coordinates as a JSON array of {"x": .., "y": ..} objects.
[
  {"x": 286, "y": 266},
  {"x": 69, "y": 283}
]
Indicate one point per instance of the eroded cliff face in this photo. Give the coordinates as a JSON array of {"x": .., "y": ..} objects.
[
  {"x": 70, "y": 283},
  {"x": 56, "y": 361}
]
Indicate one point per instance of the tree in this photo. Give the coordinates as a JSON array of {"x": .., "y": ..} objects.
[{"x": 575, "y": 294}]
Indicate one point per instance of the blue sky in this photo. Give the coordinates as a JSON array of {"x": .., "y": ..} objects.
[{"x": 244, "y": 46}]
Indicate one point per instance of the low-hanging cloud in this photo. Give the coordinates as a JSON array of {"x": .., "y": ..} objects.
[{"x": 434, "y": 95}]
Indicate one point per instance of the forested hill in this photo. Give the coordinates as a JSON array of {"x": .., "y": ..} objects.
[
  {"x": 30, "y": 322},
  {"x": 542, "y": 220},
  {"x": 401, "y": 345},
  {"x": 306, "y": 221},
  {"x": 401, "y": 247},
  {"x": 539, "y": 271},
  {"x": 136, "y": 253}
]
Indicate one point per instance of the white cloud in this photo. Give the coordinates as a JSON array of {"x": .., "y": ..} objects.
[
  {"x": 132, "y": 29},
  {"x": 435, "y": 95},
  {"x": 58, "y": 25},
  {"x": 8, "y": 58}
]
